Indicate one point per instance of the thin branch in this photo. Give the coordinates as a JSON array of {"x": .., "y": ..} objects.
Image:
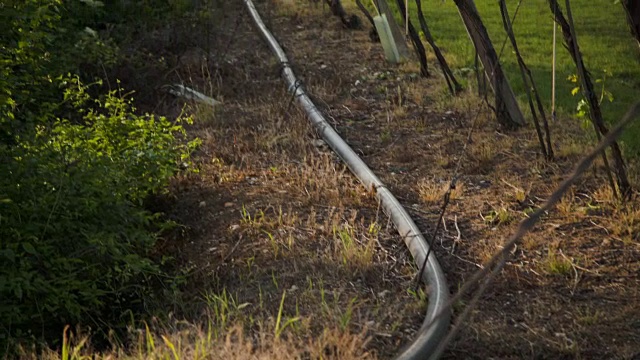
[{"x": 498, "y": 261}]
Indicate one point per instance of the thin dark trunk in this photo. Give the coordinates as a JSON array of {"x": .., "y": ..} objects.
[
  {"x": 527, "y": 79},
  {"x": 350, "y": 22},
  {"x": 632, "y": 9},
  {"x": 452, "y": 83},
  {"x": 415, "y": 40},
  {"x": 506, "y": 106},
  {"x": 373, "y": 34},
  {"x": 595, "y": 113},
  {"x": 544, "y": 116}
]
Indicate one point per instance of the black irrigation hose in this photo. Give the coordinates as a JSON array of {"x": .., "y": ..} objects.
[{"x": 428, "y": 337}]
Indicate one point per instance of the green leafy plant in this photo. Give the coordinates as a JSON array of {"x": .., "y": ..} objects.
[
  {"x": 498, "y": 216},
  {"x": 77, "y": 241},
  {"x": 78, "y": 164},
  {"x": 582, "y": 109}
]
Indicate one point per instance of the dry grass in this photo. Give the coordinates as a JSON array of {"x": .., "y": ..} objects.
[
  {"x": 431, "y": 191},
  {"x": 570, "y": 148},
  {"x": 557, "y": 263},
  {"x": 518, "y": 192},
  {"x": 291, "y": 256},
  {"x": 484, "y": 154},
  {"x": 566, "y": 205},
  {"x": 273, "y": 192},
  {"x": 200, "y": 342},
  {"x": 278, "y": 228}
]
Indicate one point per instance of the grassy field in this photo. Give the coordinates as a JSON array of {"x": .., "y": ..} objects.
[
  {"x": 287, "y": 256},
  {"x": 602, "y": 34}
]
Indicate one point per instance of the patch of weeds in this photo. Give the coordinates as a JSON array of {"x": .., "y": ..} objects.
[
  {"x": 483, "y": 154},
  {"x": 566, "y": 205},
  {"x": 250, "y": 261},
  {"x": 569, "y": 148},
  {"x": 385, "y": 136},
  {"x": 589, "y": 208},
  {"x": 267, "y": 221},
  {"x": 528, "y": 211},
  {"x": 518, "y": 193},
  {"x": 253, "y": 221},
  {"x": 443, "y": 160},
  {"x": 409, "y": 67},
  {"x": 222, "y": 172},
  {"x": 274, "y": 244},
  {"x": 500, "y": 216},
  {"x": 417, "y": 93},
  {"x": 321, "y": 179},
  {"x": 605, "y": 195},
  {"x": 223, "y": 309},
  {"x": 344, "y": 318},
  {"x": 557, "y": 265},
  {"x": 625, "y": 224},
  {"x": 395, "y": 326},
  {"x": 355, "y": 248},
  {"x": 335, "y": 310},
  {"x": 374, "y": 229},
  {"x": 420, "y": 297},
  {"x": 432, "y": 192},
  {"x": 205, "y": 115},
  {"x": 397, "y": 104},
  {"x": 588, "y": 317},
  {"x": 281, "y": 324}
]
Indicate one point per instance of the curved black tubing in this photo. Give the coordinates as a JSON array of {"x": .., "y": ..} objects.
[{"x": 427, "y": 338}]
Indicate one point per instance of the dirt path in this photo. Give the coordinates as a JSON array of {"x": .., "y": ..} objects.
[{"x": 273, "y": 212}]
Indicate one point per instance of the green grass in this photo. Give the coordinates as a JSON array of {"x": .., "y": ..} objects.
[{"x": 603, "y": 37}]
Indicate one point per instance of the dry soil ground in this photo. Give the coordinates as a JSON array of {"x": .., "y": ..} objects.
[{"x": 274, "y": 224}]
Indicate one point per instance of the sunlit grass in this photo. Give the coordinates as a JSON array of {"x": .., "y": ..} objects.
[{"x": 602, "y": 34}]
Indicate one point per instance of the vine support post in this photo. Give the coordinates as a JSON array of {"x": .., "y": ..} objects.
[
  {"x": 418, "y": 46},
  {"x": 401, "y": 44}
]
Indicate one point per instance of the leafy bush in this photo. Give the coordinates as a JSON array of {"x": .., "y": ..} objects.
[
  {"x": 39, "y": 42},
  {"x": 76, "y": 243}
]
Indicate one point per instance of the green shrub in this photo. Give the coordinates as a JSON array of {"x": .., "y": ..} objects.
[
  {"x": 75, "y": 241},
  {"x": 41, "y": 40}
]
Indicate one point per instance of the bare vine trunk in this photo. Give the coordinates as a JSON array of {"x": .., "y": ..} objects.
[
  {"x": 452, "y": 83},
  {"x": 507, "y": 109},
  {"x": 415, "y": 40},
  {"x": 529, "y": 86},
  {"x": 632, "y": 9},
  {"x": 350, "y": 22},
  {"x": 373, "y": 34},
  {"x": 595, "y": 113}
]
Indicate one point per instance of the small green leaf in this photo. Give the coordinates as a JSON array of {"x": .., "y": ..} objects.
[
  {"x": 29, "y": 248},
  {"x": 609, "y": 96}
]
